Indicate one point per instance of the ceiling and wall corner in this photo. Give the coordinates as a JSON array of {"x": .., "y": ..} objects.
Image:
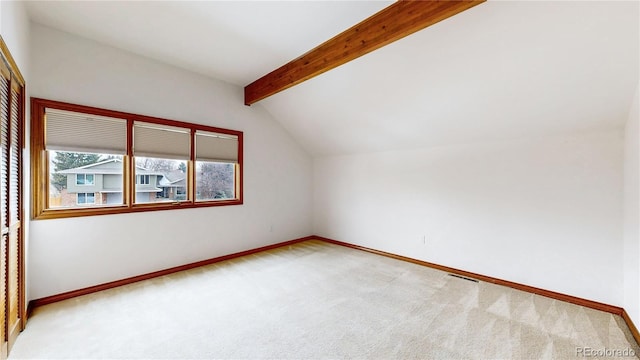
[
  {"x": 500, "y": 70},
  {"x": 233, "y": 41}
]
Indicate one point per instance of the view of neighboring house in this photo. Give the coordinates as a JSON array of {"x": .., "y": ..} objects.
[
  {"x": 101, "y": 184},
  {"x": 173, "y": 185}
]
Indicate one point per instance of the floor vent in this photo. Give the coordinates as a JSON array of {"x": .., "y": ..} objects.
[{"x": 463, "y": 278}]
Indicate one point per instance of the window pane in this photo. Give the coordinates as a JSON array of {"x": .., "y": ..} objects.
[
  {"x": 216, "y": 147},
  {"x": 160, "y": 180},
  {"x": 86, "y": 198},
  {"x": 161, "y": 141},
  {"x": 81, "y": 179},
  {"x": 143, "y": 179},
  {"x": 215, "y": 181},
  {"x": 73, "y": 131},
  {"x": 84, "y": 179}
]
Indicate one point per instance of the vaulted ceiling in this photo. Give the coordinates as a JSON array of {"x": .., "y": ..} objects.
[{"x": 501, "y": 70}]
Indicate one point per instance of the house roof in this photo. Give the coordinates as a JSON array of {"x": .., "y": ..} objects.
[
  {"x": 103, "y": 167},
  {"x": 173, "y": 178},
  {"x": 501, "y": 70}
]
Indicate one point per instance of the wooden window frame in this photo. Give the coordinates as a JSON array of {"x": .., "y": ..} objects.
[{"x": 40, "y": 165}]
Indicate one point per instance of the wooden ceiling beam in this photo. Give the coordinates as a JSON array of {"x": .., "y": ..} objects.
[{"x": 392, "y": 23}]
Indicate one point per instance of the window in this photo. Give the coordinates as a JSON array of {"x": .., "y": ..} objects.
[
  {"x": 90, "y": 161},
  {"x": 142, "y": 179},
  {"x": 84, "y": 179},
  {"x": 215, "y": 159},
  {"x": 66, "y": 179},
  {"x": 161, "y": 151},
  {"x": 214, "y": 181},
  {"x": 86, "y": 198},
  {"x": 88, "y": 148}
]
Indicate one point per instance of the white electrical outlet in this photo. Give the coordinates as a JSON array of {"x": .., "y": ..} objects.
[{"x": 424, "y": 239}]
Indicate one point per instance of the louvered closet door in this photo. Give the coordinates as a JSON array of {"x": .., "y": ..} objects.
[
  {"x": 12, "y": 309},
  {"x": 14, "y": 219},
  {"x": 4, "y": 203}
]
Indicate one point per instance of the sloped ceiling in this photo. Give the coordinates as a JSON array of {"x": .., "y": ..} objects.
[{"x": 501, "y": 70}]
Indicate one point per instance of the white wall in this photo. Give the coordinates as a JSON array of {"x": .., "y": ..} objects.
[
  {"x": 14, "y": 28},
  {"x": 79, "y": 252},
  {"x": 542, "y": 212},
  {"x": 632, "y": 213},
  {"x": 14, "y": 24}
]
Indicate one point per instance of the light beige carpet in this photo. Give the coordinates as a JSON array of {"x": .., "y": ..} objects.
[{"x": 316, "y": 300}]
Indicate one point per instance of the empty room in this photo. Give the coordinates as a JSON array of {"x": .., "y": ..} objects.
[{"x": 319, "y": 179}]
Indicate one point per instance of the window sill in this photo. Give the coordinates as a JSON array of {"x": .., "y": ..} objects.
[{"x": 93, "y": 211}]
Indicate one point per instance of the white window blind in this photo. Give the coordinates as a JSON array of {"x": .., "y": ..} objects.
[
  {"x": 161, "y": 141},
  {"x": 72, "y": 131},
  {"x": 216, "y": 147}
]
